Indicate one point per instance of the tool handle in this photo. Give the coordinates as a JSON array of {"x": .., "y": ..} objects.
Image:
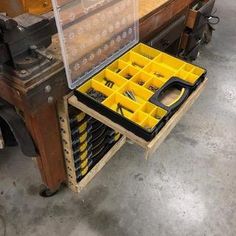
[{"x": 173, "y": 82}]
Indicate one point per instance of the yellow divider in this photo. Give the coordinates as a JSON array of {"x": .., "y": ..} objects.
[{"x": 140, "y": 94}]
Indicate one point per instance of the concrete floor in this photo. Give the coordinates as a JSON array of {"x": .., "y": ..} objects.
[{"x": 187, "y": 188}]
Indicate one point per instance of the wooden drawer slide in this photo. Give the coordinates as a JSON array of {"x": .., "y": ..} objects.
[{"x": 149, "y": 146}]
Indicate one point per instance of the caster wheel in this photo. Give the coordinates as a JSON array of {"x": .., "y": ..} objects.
[{"x": 46, "y": 192}]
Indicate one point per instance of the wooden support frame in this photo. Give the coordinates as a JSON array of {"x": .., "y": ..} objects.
[
  {"x": 152, "y": 145},
  {"x": 69, "y": 159}
]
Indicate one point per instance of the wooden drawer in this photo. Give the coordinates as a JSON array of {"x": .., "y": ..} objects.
[
  {"x": 169, "y": 35},
  {"x": 190, "y": 40},
  {"x": 149, "y": 146},
  {"x": 197, "y": 18}
]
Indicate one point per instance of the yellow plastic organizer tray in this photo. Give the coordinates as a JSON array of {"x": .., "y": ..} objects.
[{"x": 140, "y": 72}]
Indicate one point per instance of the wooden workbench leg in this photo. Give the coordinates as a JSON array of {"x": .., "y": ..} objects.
[{"x": 44, "y": 129}]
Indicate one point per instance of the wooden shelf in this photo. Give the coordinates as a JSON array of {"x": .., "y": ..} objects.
[{"x": 152, "y": 145}]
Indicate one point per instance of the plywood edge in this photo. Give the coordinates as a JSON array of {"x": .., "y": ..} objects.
[
  {"x": 91, "y": 174},
  {"x": 161, "y": 136},
  {"x": 67, "y": 143}
]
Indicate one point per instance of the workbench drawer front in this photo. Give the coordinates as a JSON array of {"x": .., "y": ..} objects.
[
  {"x": 169, "y": 35},
  {"x": 141, "y": 94},
  {"x": 191, "y": 40},
  {"x": 197, "y": 18}
]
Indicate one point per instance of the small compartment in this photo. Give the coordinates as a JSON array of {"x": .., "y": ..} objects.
[
  {"x": 198, "y": 71},
  {"x": 141, "y": 78},
  {"x": 191, "y": 78},
  {"x": 129, "y": 72},
  {"x": 154, "y": 84},
  {"x": 159, "y": 71},
  {"x": 110, "y": 79},
  {"x": 182, "y": 74},
  {"x": 149, "y": 123},
  {"x": 135, "y": 92},
  {"x": 139, "y": 117},
  {"x": 117, "y": 66},
  {"x": 121, "y": 105},
  {"x": 95, "y": 90},
  {"x": 146, "y": 51},
  {"x": 158, "y": 113},
  {"x": 169, "y": 61},
  {"x": 135, "y": 59},
  {"x": 148, "y": 108},
  {"x": 187, "y": 67}
]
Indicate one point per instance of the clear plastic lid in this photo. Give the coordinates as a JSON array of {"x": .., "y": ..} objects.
[{"x": 93, "y": 33}]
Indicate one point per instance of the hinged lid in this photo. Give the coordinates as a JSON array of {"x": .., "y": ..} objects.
[{"x": 93, "y": 33}]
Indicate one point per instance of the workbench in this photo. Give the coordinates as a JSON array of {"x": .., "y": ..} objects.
[{"x": 37, "y": 98}]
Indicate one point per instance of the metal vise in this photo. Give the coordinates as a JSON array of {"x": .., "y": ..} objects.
[{"x": 23, "y": 41}]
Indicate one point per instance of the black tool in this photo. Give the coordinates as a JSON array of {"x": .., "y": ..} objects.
[
  {"x": 120, "y": 109},
  {"x": 140, "y": 82},
  {"x": 128, "y": 76},
  {"x": 99, "y": 96},
  {"x": 117, "y": 70},
  {"x": 158, "y": 75},
  {"x": 153, "y": 88},
  {"x": 109, "y": 83},
  {"x": 130, "y": 95},
  {"x": 136, "y": 65}
]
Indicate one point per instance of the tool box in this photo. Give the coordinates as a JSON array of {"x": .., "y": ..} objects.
[
  {"x": 134, "y": 89},
  {"x": 131, "y": 89}
]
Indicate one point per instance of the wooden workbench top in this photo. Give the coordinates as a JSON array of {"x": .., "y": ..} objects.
[{"x": 146, "y": 7}]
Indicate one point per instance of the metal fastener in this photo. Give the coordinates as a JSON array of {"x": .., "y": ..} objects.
[
  {"x": 47, "y": 89},
  {"x": 23, "y": 72},
  {"x": 50, "y": 99}
]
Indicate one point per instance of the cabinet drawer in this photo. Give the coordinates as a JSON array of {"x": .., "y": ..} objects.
[
  {"x": 198, "y": 17},
  {"x": 149, "y": 146},
  {"x": 169, "y": 35},
  {"x": 190, "y": 40}
]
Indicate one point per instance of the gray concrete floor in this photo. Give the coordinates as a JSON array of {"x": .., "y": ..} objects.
[{"x": 188, "y": 187}]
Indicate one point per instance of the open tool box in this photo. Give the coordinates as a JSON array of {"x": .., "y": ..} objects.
[
  {"x": 134, "y": 89},
  {"x": 131, "y": 89}
]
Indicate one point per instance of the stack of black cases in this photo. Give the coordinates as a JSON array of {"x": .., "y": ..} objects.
[{"x": 91, "y": 140}]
